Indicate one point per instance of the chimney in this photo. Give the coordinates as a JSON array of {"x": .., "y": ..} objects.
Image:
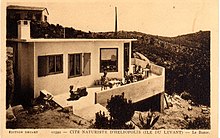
[{"x": 24, "y": 29}]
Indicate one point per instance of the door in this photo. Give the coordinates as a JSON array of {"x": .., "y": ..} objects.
[{"x": 126, "y": 56}]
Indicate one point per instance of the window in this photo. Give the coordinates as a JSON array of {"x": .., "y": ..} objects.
[
  {"x": 55, "y": 64},
  {"x": 79, "y": 64},
  {"x": 75, "y": 62},
  {"x": 25, "y": 22},
  {"x": 52, "y": 64},
  {"x": 45, "y": 18},
  {"x": 109, "y": 59},
  {"x": 19, "y": 22}
]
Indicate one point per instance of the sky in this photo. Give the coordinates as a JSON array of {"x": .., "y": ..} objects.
[{"x": 157, "y": 17}]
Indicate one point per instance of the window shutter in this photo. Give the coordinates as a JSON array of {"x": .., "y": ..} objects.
[
  {"x": 42, "y": 66},
  {"x": 87, "y": 64},
  {"x": 81, "y": 59}
]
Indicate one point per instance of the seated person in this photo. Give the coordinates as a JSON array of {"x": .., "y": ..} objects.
[
  {"x": 74, "y": 95},
  {"x": 148, "y": 66},
  {"x": 140, "y": 70},
  {"x": 126, "y": 72},
  {"x": 126, "y": 79},
  {"x": 104, "y": 81},
  {"x": 140, "y": 73},
  {"x": 129, "y": 78},
  {"x": 71, "y": 90},
  {"x": 135, "y": 69}
]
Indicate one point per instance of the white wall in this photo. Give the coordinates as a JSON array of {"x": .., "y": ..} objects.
[
  {"x": 24, "y": 30},
  {"x": 136, "y": 91},
  {"x": 25, "y": 68},
  {"x": 96, "y": 68},
  {"x": 59, "y": 83}
]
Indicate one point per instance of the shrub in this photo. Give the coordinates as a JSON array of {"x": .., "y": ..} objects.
[
  {"x": 200, "y": 122},
  {"x": 101, "y": 121},
  {"x": 121, "y": 110},
  {"x": 149, "y": 122}
]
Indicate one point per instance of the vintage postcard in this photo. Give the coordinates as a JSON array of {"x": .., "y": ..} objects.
[{"x": 146, "y": 68}]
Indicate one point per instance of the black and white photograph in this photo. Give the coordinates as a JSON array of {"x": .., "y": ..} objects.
[{"x": 110, "y": 67}]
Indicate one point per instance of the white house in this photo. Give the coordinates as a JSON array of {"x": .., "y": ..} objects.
[{"x": 55, "y": 64}]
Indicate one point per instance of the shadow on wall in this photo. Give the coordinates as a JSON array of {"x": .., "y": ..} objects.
[{"x": 152, "y": 103}]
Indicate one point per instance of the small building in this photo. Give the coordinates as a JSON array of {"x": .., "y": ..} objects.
[{"x": 15, "y": 12}]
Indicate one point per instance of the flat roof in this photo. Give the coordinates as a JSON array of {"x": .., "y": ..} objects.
[{"x": 71, "y": 40}]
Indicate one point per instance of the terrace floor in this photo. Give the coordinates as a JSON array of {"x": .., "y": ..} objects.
[{"x": 85, "y": 107}]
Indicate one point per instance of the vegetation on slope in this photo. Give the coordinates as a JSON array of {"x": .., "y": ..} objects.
[
  {"x": 186, "y": 57},
  {"x": 46, "y": 30}
]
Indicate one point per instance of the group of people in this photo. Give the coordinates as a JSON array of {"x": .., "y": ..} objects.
[
  {"x": 139, "y": 74},
  {"x": 129, "y": 77}
]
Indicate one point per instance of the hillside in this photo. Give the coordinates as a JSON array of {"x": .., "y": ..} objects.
[
  {"x": 177, "y": 116},
  {"x": 185, "y": 57}
]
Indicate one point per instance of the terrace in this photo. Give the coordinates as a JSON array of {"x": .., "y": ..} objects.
[{"x": 96, "y": 100}]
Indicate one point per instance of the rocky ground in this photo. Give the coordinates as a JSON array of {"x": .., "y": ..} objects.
[
  {"x": 178, "y": 116},
  {"x": 52, "y": 118}
]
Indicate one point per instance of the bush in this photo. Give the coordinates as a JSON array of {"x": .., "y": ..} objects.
[
  {"x": 101, "y": 121},
  {"x": 149, "y": 122},
  {"x": 121, "y": 110},
  {"x": 199, "y": 123}
]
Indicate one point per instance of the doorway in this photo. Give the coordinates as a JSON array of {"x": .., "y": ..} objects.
[{"x": 126, "y": 56}]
